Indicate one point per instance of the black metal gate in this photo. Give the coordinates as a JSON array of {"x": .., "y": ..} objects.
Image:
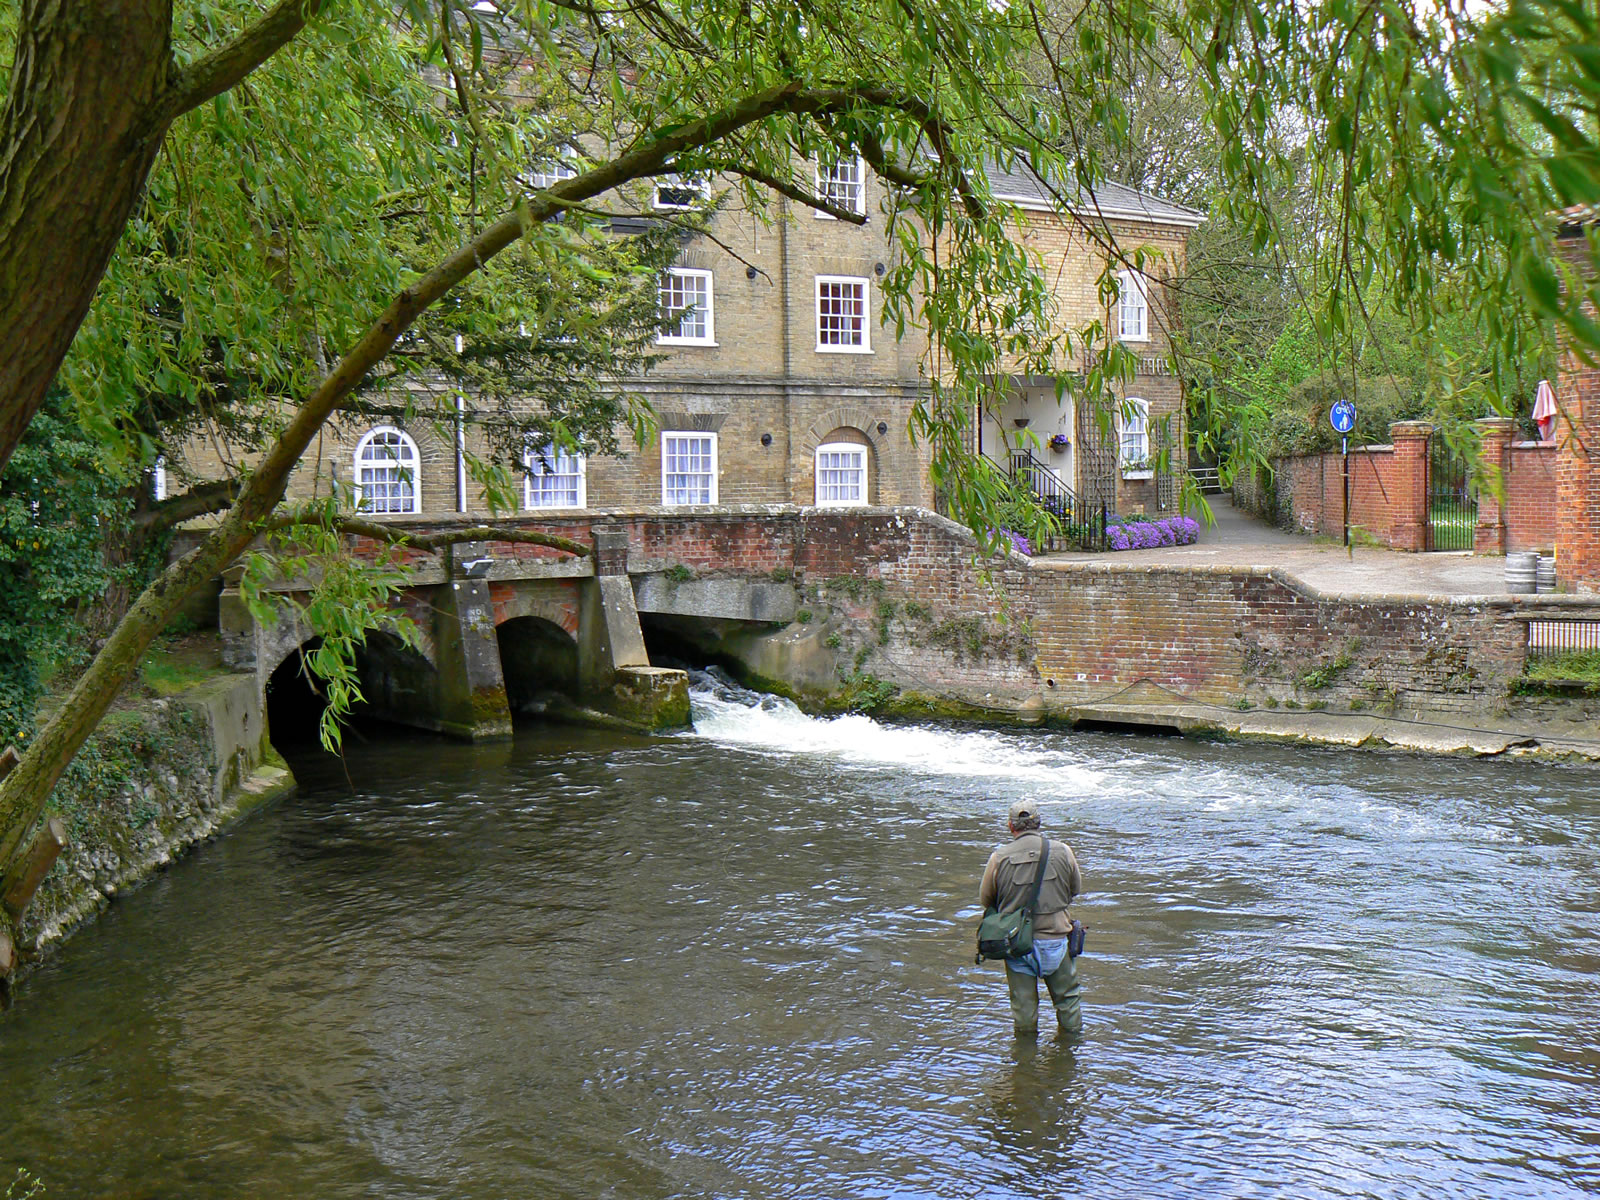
[{"x": 1452, "y": 501}]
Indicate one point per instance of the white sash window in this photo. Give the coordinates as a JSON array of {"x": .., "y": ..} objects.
[
  {"x": 688, "y": 468},
  {"x": 841, "y": 475}
]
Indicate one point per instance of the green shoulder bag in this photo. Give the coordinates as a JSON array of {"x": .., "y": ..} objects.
[{"x": 1010, "y": 934}]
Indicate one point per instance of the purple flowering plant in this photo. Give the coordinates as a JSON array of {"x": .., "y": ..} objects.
[{"x": 1148, "y": 535}]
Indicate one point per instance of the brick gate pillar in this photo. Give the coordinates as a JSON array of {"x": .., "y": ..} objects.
[
  {"x": 1494, "y": 460},
  {"x": 1409, "y": 528},
  {"x": 1577, "y": 446}
]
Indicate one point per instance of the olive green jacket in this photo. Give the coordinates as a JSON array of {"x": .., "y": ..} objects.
[{"x": 1008, "y": 878}]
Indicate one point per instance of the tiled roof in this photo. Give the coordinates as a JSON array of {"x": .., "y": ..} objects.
[
  {"x": 1113, "y": 201},
  {"x": 1576, "y": 216}
]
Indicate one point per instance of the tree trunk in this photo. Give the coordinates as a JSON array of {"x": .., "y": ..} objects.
[{"x": 81, "y": 127}]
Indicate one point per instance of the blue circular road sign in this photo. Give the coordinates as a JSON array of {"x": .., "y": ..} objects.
[{"x": 1342, "y": 416}]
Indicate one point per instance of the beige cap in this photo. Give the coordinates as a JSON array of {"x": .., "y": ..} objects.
[{"x": 1024, "y": 812}]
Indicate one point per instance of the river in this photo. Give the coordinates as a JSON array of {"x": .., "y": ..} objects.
[{"x": 738, "y": 963}]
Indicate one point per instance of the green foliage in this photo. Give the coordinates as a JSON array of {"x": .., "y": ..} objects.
[
  {"x": 1570, "y": 666},
  {"x": 780, "y": 575},
  {"x": 833, "y": 641},
  {"x": 127, "y": 744},
  {"x": 678, "y": 573},
  {"x": 61, "y": 503},
  {"x": 1324, "y": 676},
  {"x": 962, "y": 636},
  {"x": 865, "y": 692},
  {"x": 348, "y": 601},
  {"x": 854, "y": 586},
  {"x": 170, "y": 669},
  {"x": 917, "y": 611},
  {"x": 25, "y": 1186},
  {"x": 803, "y": 617},
  {"x": 886, "y": 614}
]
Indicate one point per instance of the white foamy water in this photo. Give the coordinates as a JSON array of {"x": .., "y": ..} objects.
[{"x": 732, "y": 716}]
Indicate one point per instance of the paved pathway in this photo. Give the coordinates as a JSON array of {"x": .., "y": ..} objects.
[{"x": 1238, "y": 539}]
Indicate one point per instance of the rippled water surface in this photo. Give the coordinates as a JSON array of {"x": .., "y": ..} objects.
[{"x": 738, "y": 964}]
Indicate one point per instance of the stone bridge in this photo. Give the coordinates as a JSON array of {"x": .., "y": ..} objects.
[
  {"x": 893, "y": 606},
  {"x": 502, "y": 626}
]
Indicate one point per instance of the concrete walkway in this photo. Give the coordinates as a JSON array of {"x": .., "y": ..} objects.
[{"x": 1238, "y": 539}]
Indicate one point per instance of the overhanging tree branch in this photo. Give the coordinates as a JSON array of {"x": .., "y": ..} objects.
[
  {"x": 432, "y": 543},
  {"x": 197, "y": 502},
  {"x": 212, "y": 74},
  {"x": 25, "y": 792},
  {"x": 799, "y": 195}
]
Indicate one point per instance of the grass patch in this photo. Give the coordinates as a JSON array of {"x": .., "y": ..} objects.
[
  {"x": 803, "y": 617},
  {"x": 1574, "y": 666},
  {"x": 178, "y": 664},
  {"x": 1575, "y": 672}
]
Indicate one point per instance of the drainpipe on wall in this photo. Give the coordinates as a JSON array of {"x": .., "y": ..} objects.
[
  {"x": 461, "y": 453},
  {"x": 788, "y": 364}
]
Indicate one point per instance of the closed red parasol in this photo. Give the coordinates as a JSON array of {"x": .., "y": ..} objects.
[{"x": 1544, "y": 411}]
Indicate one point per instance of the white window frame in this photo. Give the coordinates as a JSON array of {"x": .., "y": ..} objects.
[
  {"x": 548, "y": 174},
  {"x": 1133, "y": 301},
  {"x": 1134, "y": 468},
  {"x": 687, "y": 183},
  {"x": 865, "y": 346},
  {"x": 829, "y": 187},
  {"x": 856, "y": 448},
  {"x": 558, "y": 458},
  {"x": 709, "y": 313},
  {"x": 415, "y": 466},
  {"x": 668, "y": 438}
]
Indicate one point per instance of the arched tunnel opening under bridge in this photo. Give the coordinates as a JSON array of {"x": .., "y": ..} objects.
[
  {"x": 537, "y": 658},
  {"x": 295, "y": 699},
  {"x": 398, "y": 685},
  {"x": 693, "y": 643}
]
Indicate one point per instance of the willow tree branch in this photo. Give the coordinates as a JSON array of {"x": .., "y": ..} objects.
[
  {"x": 432, "y": 543},
  {"x": 800, "y": 196},
  {"x": 197, "y": 502},
  {"x": 27, "y": 789},
  {"x": 212, "y": 74}
]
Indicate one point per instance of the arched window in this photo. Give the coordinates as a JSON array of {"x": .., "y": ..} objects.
[
  {"x": 841, "y": 474},
  {"x": 555, "y": 479},
  {"x": 387, "y": 467},
  {"x": 1133, "y": 434}
]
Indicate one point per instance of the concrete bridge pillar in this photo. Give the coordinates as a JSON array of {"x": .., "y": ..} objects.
[
  {"x": 472, "y": 686},
  {"x": 614, "y": 671}
]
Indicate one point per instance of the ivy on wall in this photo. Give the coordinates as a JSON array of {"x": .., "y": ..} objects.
[{"x": 65, "y": 529}]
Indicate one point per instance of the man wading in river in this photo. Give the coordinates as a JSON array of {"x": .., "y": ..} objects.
[{"x": 1008, "y": 880}]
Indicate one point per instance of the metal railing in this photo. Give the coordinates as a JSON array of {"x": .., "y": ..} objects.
[
  {"x": 1082, "y": 524},
  {"x": 1549, "y": 638}
]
